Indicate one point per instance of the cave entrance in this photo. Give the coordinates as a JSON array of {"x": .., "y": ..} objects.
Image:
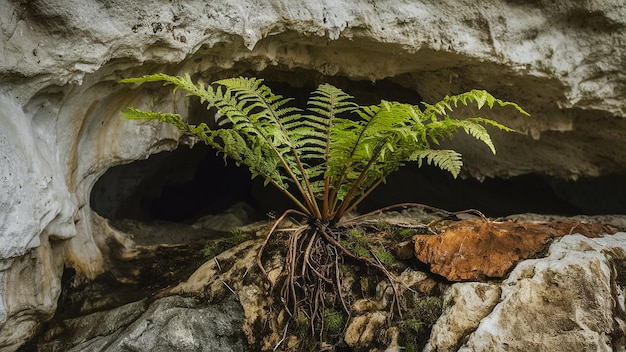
[
  {"x": 180, "y": 186},
  {"x": 187, "y": 183}
]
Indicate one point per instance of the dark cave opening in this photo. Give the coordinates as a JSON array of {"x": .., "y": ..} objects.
[
  {"x": 187, "y": 183},
  {"x": 178, "y": 186}
]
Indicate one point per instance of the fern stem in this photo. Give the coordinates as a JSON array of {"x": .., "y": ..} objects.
[
  {"x": 325, "y": 201},
  {"x": 308, "y": 198},
  {"x": 310, "y": 209},
  {"x": 292, "y": 197},
  {"x": 355, "y": 186},
  {"x": 361, "y": 198},
  {"x": 333, "y": 196},
  {"x": 342, "y": 176},
  {"x": 311, "y": 196}
]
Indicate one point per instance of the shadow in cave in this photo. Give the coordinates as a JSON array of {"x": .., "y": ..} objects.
[
  {"x": 177, "y": 186},
  {"x": 185, "y": 184}
]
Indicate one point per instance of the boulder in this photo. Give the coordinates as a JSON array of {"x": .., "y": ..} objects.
[
  {"x": 466, "y": 305},
  {"x": 479, "y": 250},
  {"x": 169, "y": 324},
  {"x": 571, "y": 300}
]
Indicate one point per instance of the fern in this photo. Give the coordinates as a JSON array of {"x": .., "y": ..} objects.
[
  {"x": 335, "y": 152},
  {"x": 327, "y": 158}
]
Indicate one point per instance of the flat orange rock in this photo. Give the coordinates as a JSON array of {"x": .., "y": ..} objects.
[{"x": 478, "y": 250}]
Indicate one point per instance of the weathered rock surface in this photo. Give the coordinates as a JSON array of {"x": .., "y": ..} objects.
[
  {"x": 478, "y": 250},
  {"x": 126, "y": 309},
  {"x": 266, "y": 325},
  {"x": 225, "y": 276},
  {"x": 60, "y": 127},
  {"x": 169, "y": 324},
  {"x": 467, "y": 304},
  {"x": 571, "y": 300}
]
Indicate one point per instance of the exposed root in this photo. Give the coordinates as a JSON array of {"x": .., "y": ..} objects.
[
  {"x": 414, "y": 205},
  {"x": 311, "y": 276},
  {"x": 276, "y": 223},
  {"x": 397, "y": 285}
]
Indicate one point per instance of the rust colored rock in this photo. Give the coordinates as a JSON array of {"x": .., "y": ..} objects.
[{"x": 477, "y": 250}]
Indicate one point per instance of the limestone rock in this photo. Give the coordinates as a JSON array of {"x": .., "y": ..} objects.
[
  {"x": 31, "y": 289},
  {"x": 169, "y": 324},
  {"x": 180, "y": 324},
  {"x": 233, "y": 273},
  {"x": 36, "y": 210},
  {"x": 571, "y": 300},
  {"x": 236, "y": 216},
  {"x": 100, "y": 327},
  {"x": 366, "y": 329},
  {"x": 476, "y": 249},
  {"x": 370, "y": 327},
  {"x": 467, "y": 304}
]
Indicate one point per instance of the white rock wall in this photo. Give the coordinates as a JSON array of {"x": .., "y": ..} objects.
[{"x": 60, "y": 127}]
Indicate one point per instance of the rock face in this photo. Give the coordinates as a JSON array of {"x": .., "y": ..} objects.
[
  {"x": 571, "y": 300},
  {"x": 468, "y": 304},
  {"x": 168, "y": 324},
  {"x": 60, "y": 126}
]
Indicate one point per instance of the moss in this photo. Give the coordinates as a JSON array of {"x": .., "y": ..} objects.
[
  {"x": 302, "y": 323},
  {"x": 236, "y": 237},
  {"x": 364, "y": 282},
  {"x": 333, "y": 322},
  {"x": 411, "y": 347},
  {"x": 418, "y": 321},
  {"x": 357, "y": 243},
  {"x": 429, "y": 309},
  {"x": 405, "y": 234},
  {"x": 401, "y": 234},
  {"x": 384, "y": 256},
  {"x": 214, "y": 249},
  {"x": 354, "y": 232}
]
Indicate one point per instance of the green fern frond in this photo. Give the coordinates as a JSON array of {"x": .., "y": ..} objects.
[
  {"x": 448, "y": 160},
  {"x": 335, "y": 151},
  {"x": 480, "y": 97},
  {"x": 446, "y": 128},
  {"x": 179, "y": 82},
  {"x": 324, "y": 106},
  {"x": 176, "y": 120},
  {"x": 491, "y": 123}
]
